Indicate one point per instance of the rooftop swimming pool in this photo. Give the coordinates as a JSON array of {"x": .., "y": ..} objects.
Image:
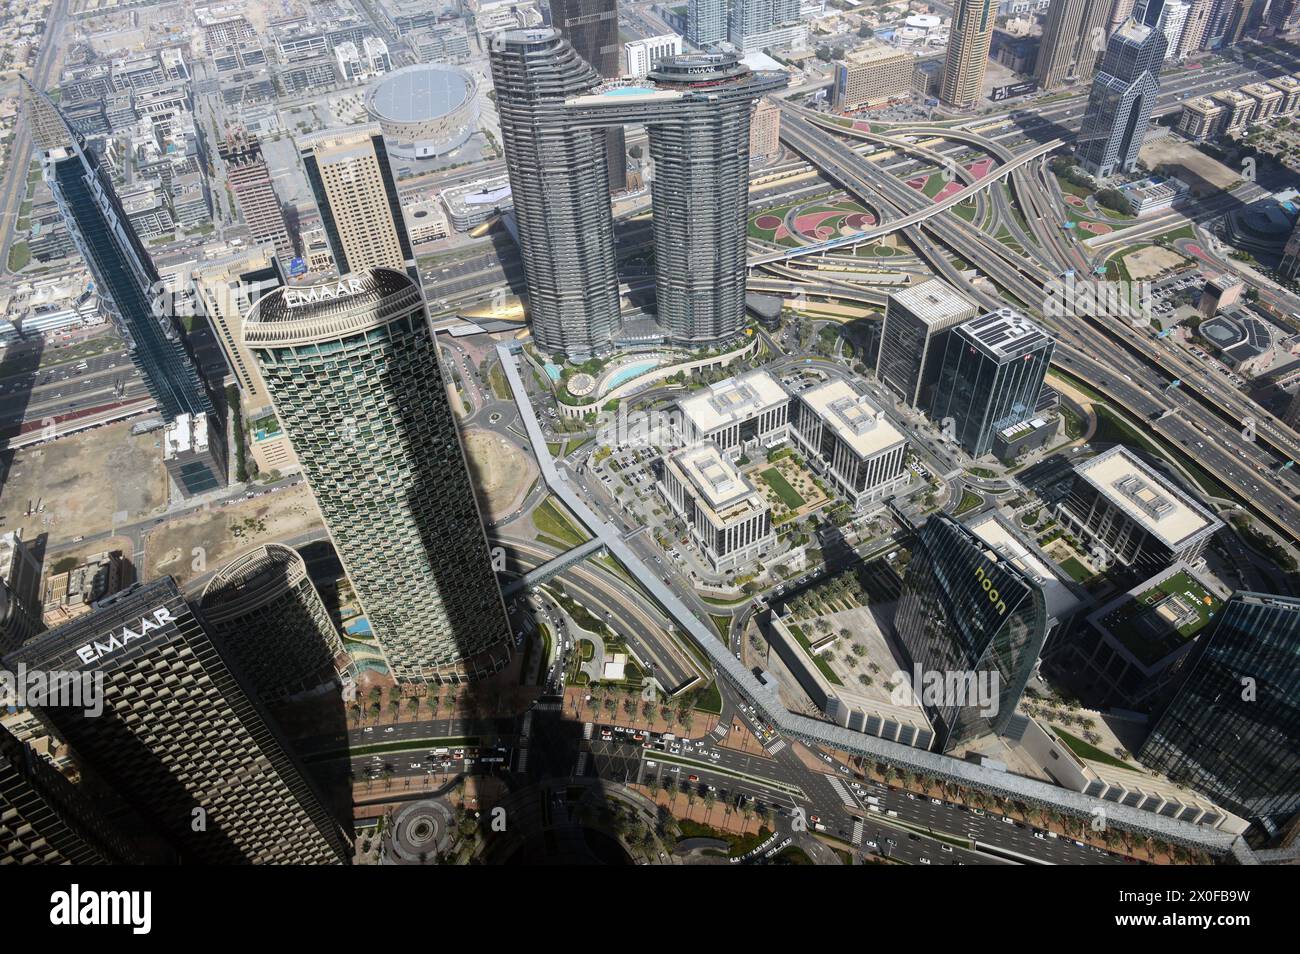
[{"x": 628, "y": 372}]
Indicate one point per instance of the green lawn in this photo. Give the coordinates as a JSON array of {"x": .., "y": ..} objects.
[
  {"x": 710, "y": 700},
  {"x": 789, "y": 496},
  {"x": 1086, "y": 750},
  {"x": 969, "y": 501},
  {"x": 552, "y": 523},
  {"x": 497, "y": 381},
  {"x": 1078, "y": 572},
  {"x": 798, "y": 633}
]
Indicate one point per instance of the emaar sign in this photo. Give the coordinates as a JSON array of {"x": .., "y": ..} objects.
[
  {"x": 297, "y": 297},
  {"x": 114, "y": 642}
]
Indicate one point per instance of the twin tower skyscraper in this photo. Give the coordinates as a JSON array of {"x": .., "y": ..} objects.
[{"x": 555, "y": 111}]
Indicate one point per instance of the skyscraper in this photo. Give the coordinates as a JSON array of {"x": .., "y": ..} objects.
[
  {"x": 755, "y": 24},
  {"x": 1198, "y": 16},
  {"x": 20, "y": 592},
  {"x": 1232, "y": 730},
  {"x": 560, "y": 183},
  {"x": 697, "y": 113},
  {"x": 125, "y": 278},
  {"x": 969, "y": 38},
  {"x": 225, "y": 290},
  {"x": 353, "y": 369},
  {"x": 1070, "y": 44},
  {"x": 591, "y": 27},
  {"x": 1120, "y": 101},
  {"x": 355, "y": 191},
  {"x": 1167, "y": 16},
  {"x": 992, "y": 372},
  {"x": 263, "y": 606},
  {"x": 700, "y": 193},
  {"x": 969, "y": 620},
  {"x": 179, "y": 738},
  {"x": 914, "y": 335},
  {"x": 1289, "y": 267},
  {"x": 706, "y": 21},
  {"x": 45, "y": 820},
  {"x": 250, "y": 180}
]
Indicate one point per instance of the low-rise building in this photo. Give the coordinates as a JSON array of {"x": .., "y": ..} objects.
[
  {"x": 1238, "y": 108},
  {"x": 641, "y": 55},
  {"x": 740, "y": 413},
  {"x": 1268, "y": 100},
  {"x": 851, "y": 441},
  {"x": 1289, "y": 87},
  {"x": 472, "y": 204},
  {"x": 1134, "y": 515},
  {"x": 1201, "y": 118},
  {"x": 1154, "y": 193},
  {"x": 729, "y": 520}
]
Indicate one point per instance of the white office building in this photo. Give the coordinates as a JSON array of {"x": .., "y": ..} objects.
[
  {"x": 728, "y": 519},
  {"x": 850, "y": 441},
  {"x": 643, "y": 54}
]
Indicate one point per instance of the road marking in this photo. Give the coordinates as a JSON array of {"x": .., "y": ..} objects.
[
  {"x": 776, "y": 747},
  {"x": 857, "y": 831},
  {"x": 720, "y": 730},
  {"x": 841, "y": 791}
]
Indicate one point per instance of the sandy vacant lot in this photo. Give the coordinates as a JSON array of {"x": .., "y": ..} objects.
[
  {"x": 1150, "y": 262},
  {"x": 500, "y": 471},
  {"x": 83, "y": 480},
  {"x": 222, "y": 532},
  {"x": 1203, "y": 174}
]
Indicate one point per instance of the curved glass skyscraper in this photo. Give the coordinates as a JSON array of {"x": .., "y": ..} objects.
[
  {"x": 696, "y": 108},
  {"x": 352, "y": 367}
]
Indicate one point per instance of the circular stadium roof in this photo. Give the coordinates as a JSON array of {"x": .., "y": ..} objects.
[{"x": 421, "y": 92}]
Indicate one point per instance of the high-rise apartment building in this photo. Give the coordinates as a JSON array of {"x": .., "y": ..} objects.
[
  {"x": 249, "y": 179},
  {"x": 263, "y": 607},
  {"x": 559, "y": 182},
  {"x": 700, "y": 195},
  {"x": 969, "y": 38},
  {"x": 1070, "y": 46},
  {"x": 765, "y": 130},
  {"x": 180, "y": 738},
  {"x": 696, "y": 109},
  {"x": 992, "y": 372},
  {"x": 972, "y": 625},
  {"x": 20, "y": 592},
  {"x": 872, "y": 75},
  {"x": 125, "y": 278},
  {"x": 591, "y": 27},
  {"x": 759, "y": 24},
  {"x": 351, "y": 178},
  {"x": 354, "y": 371},
  {"x": 224, "y": 291},
  {"x": 1198, "y": 17},
  {"x": 1121, "y": 99},
  {"x": 1231, "y": 730},
  {"x": 1167, "y": 16},
  {"x": 706, "y": 21},
  {"x": 914, "y": 335},
  {"x": 46, "y": 820}
]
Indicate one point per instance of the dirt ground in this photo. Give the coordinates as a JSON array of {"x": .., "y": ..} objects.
[
  {"x": 222, "y": 532},
  {"x": 83, "y": 480},
  {"x": 1201, "y": 173},
  {"x": 501, "y": 471},
  {"x": 1150, "y": 262}
]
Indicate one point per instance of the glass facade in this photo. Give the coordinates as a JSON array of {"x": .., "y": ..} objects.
[
  {"x": 126, "y": 280},
  {"x": 973, "y": 621},
  {"x": 984, "y": 388},
  {"x": 1233, "y": 729}
]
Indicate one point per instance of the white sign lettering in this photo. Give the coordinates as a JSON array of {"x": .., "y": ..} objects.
[
  {"x": 113, "y": 642},
  {"x": 297, "y": 297}
]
